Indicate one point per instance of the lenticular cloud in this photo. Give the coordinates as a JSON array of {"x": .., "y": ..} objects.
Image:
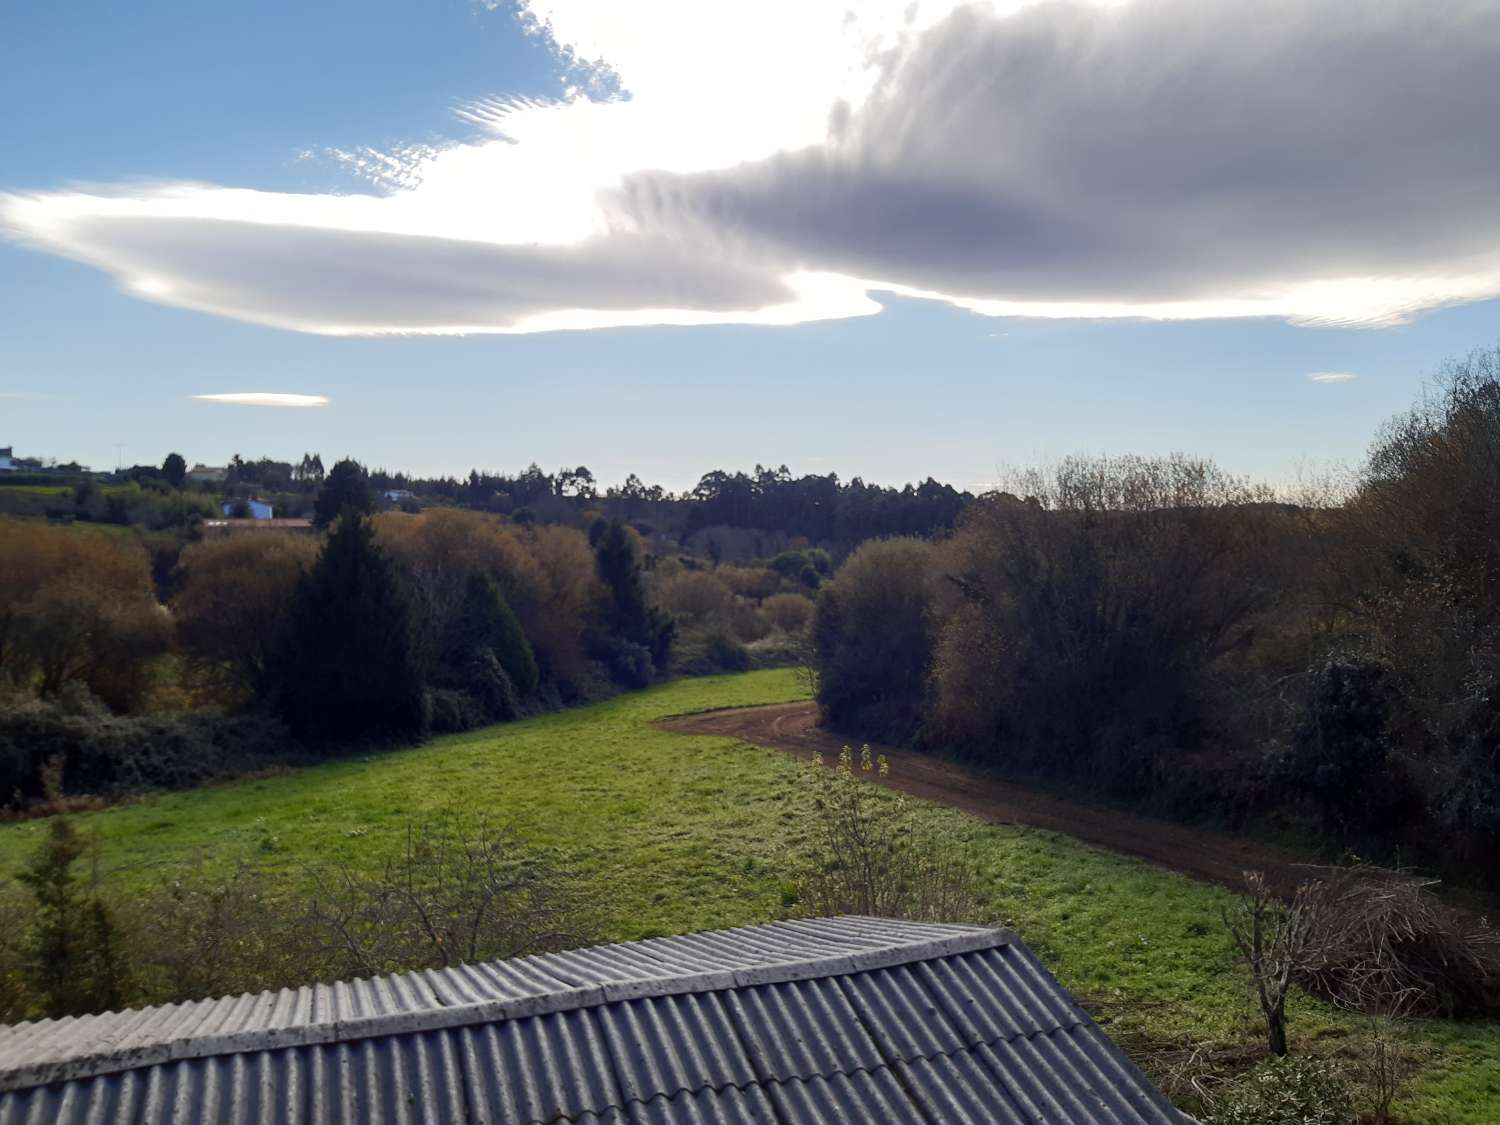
[
  {"x": 781, "y": 162},
  {"x": 266, "y": 398}
]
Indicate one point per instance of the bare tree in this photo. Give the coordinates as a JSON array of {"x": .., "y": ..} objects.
[{"x": 1278, "y": 941}]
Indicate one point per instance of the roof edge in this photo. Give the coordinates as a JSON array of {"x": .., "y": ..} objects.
[{"x": 439, "y": 1018}]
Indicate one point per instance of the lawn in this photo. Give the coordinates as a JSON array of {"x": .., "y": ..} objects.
[{"x": 680, "y": 833}]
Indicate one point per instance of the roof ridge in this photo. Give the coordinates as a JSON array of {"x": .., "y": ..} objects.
[{"x": 109, "y": 1055}]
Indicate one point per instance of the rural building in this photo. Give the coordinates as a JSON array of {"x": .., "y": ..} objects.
[
  {"x": 841, "y": 1019},
  {"x": 207, "y": 474},
  {"x": 396, "y": 495},
  {"x": 7, "y": 460},
  {"x": 257, "y": 509}
]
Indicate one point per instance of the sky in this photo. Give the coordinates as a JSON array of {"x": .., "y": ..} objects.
[{"x": 882, "y": 238}]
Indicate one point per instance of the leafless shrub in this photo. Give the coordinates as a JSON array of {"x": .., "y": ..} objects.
[
  {"x": 1389, "y": 946},
  {"x": 450, "y": 896},
  {"x": 205, "y": 933},
  {"x": 873, "y": 853},
  {"x": 1277, "y": 940},
  {"x": 1385, "y": 1066}
]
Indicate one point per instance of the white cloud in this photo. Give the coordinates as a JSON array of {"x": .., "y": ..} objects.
[
  {"x": 781, "y": 161},
  {"x": 266, "y": 398},
  {"x": 1332, "y": 376}
]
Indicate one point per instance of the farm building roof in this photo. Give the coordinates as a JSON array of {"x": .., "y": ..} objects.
[{"x": 841, "y": 1019}]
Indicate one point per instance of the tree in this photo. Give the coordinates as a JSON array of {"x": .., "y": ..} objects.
[
  {"x": 174, "y": 469},
  {"x": 235, "y": 604},
  {"x": 351, "y": 665},
  {"x": 872, "y": 638},
  {"x": 485, "y": 623},
  {"x": 1092, "y": 617},
  {"x": 1278, "y": 941},
  {"x": 577, "y": 482},
  {"x": 346, "y": 489},
  {"x": 309, "y": 469},
  {"x": 74, "y": 963},
  {"x": 78, "y": 606},
  {"x": 631, "y": 618}
]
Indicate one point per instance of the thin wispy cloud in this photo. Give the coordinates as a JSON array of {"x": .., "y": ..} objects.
[
  {"x": 1332, "y": 376},
  {"x": 1312, "y": 160},
  {"x": 266, "y": 398}
]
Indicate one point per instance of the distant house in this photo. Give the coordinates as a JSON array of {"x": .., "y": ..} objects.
[
  {"x": 253, "y": 509},
  {"x": 813, "y": 1021},
  {"x": 396, "y": 495},
  {"x": 7, "y": 460},
  {"x": 207, "y": 474}
]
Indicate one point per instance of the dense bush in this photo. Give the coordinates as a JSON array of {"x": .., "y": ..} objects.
[
  {"x": 1287, "y": 1091},
  {"x": 112, "y": 755},
  {"x": 1339, "y": 749},
  {"x": 706, "y": 653},
  {"x": 791, "y": 613}
]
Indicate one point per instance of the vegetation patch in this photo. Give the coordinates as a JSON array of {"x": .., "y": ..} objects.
[{"x": 668, "y": 833}]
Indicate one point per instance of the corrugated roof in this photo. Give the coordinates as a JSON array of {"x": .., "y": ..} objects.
[{"x": 842, "y": 1019}]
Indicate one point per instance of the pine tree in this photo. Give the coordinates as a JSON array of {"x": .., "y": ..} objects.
[
  {"x": 73, "y": 960},
  {"x": 351, "y": 666},
  {"x": 486, "y": 621},
  {"x": 346, "y": 489},
  {"x": 632, "y": 618}
]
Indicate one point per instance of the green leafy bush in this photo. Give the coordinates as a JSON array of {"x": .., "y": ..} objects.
[
  {"x": 708, "y": 653},
  {"x": 1288, "y": 1091},
  {"x": 111, "y": 755}
]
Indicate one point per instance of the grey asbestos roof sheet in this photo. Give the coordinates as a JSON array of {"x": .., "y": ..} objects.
[{"x": 824, "y": 1020}]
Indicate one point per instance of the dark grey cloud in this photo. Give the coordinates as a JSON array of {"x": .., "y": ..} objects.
[{"x": 1165, "y": 151}]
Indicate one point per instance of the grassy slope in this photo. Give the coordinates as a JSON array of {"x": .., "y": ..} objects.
[{"x": 689, "y": 833}]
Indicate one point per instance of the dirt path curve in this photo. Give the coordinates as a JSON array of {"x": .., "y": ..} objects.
[{"x": 1210, "y": 856}]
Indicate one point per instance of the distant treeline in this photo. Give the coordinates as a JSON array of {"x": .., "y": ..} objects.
[
  {"x": 822, "y": 509},
  {"x": 1157, "y": 629}
]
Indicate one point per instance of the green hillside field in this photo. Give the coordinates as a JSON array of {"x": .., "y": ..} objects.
[{"x": 679, "y": 833}]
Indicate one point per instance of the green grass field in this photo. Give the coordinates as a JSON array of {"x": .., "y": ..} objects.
[{"x": 679, "y": 833}]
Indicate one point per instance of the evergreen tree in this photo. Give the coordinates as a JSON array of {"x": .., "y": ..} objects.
[
  {"x": 351, "y": 666},
  {"x": 631, "y": 617},
  {"x": 485, "y": 621},
  {"x": 174, "y": 470},
  {"x": 346, "y": 489},
  {"x": 73, "y": 963}
]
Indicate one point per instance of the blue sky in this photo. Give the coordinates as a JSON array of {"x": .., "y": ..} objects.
[{"x": 262, "y": 96}]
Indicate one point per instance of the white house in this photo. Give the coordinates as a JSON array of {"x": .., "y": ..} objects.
[
  {"x": 396, "y": 495},
  {"x": 258, "y": 509},
  {"x": 7, "y": 461}
]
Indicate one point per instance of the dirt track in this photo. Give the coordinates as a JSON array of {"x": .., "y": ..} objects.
[{"x": 1203, "y": 855}]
